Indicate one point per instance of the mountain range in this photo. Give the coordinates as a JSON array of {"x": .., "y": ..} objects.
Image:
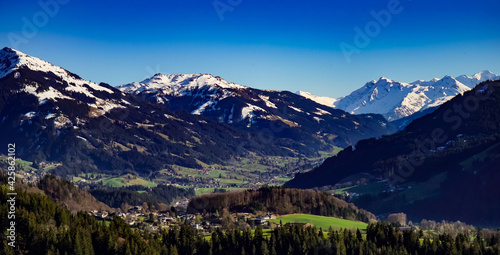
[
  {"x": 396, "y": 100},
  {"x": 187, "y": 120},
  {"x": 54, "y": 115},
  {"x": 278, "y": 113}
]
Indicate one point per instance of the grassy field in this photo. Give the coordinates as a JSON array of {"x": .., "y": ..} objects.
[
  {"x": 371, "y": 188},
  {"x": 122, "y": 181},
  {"x": 26, "y": 164},
  {"x": 200, "y": 191},
  {"x": 342, "y": 190},
  {"x": 326, "y": 154},
  {"x": 114, "y": 182},
  {"x": 49, "y": 168},
  {"x": 284, "y": 179},
  {"x": 320, "y": 221},
  {"x": 468, "y": 164}
]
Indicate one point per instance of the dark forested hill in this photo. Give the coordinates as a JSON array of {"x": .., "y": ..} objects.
[
  {"x": 444, "y": 165},
  {"x": 70, "y": 196},
  {"x": 115, "y": 197},
  {"x": 280, "y": 201}
]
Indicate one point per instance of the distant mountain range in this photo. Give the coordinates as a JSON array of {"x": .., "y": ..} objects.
[
  {"x": 54, "y": 115},
  {"x": 279, "y": 113},
  {"x": 444, "y": 165},
  {"x": 187, "y": 120},
  {"x": 396, "y": 100}
]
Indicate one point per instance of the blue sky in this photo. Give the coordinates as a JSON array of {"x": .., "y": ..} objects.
[{"x": 281, "y": 45}]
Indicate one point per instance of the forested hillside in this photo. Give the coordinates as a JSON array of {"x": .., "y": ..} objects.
[
  {"x": 280, "y": 201},
  {"x": 69, "y": 196},
  {"x": 161, "y": 194}
]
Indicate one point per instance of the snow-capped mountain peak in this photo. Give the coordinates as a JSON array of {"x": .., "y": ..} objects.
[
  {"x": 11, "y": 60},
  {"x": 53, "y": 83},
  {"x": 162, "y": 88},
  {"x": 486, "y": 74},
  {"x": 384, "y": 79},
  {"x": 396, "y": 100},
  {"x": 471, "y": 81},
  {"x": 176, "y": 83}
]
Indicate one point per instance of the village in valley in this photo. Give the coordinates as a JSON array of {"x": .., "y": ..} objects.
[{"x": 141, "y": 217}]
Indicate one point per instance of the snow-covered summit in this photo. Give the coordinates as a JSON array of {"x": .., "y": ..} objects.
[
  {"x": 174, "y": 84},
  {"x": 9, "y": 59},
  {"x": 475, "y": 79},
  {"x": 60, "y": 84},
  {"x": 12, "y": 60},
  {"x": 396, "y": 100},
  {"x": 205, "y": 92}
]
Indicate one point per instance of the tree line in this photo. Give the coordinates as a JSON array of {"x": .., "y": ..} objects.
[{"x": 43, "y": 227}]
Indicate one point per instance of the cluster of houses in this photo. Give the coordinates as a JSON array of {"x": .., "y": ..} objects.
[
  {"x": 35, "y": 173},
  {"x": 152, "y": 220},
  {"x": 32, "y": 177}
]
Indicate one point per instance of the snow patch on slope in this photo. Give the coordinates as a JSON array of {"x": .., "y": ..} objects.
[
  {"x": 247, "y": 112},
  {"x": 267, "y": 102},
  {"x": 51, "y": 94},
  {"x": 295, "y": 108},
  {"x": 204, "y": 106},
  {"x": 318, "y": 119},
  {"x": 321, "y": 112},
  {"x": 320, "y": 100}
]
